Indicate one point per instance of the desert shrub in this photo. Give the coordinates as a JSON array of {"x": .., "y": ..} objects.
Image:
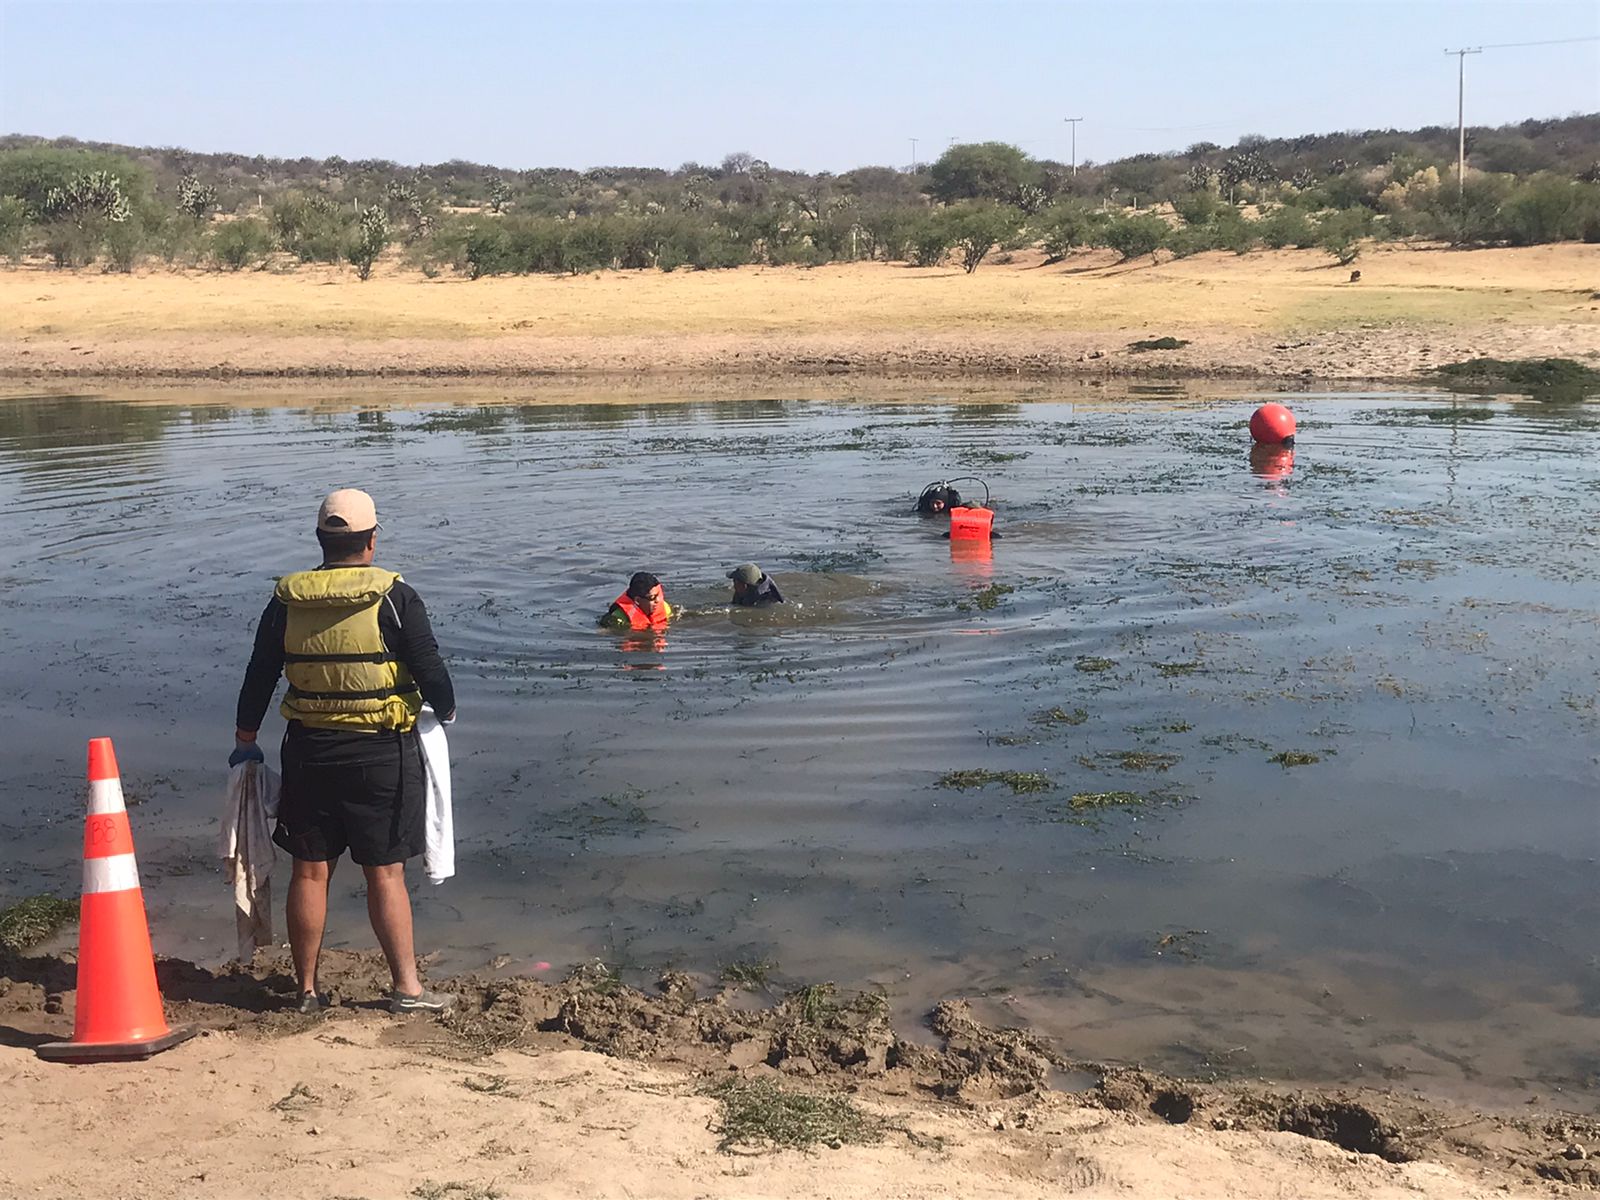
[
  {"x": 485, "y": 250},
  {"x": 1191, "y": 239},
  {"x": 1340, "y": 233},
  {"x": 886, "y": 233},
  {"x": 237, "y": 244},
  {"x": 124, "y": 245},
  {"x": 1287, "y": 225},
  {"x": 13, "y": 226},
  {"x": 1065, "y": 226},
  {"x": 931, "y": 239},
  {"x": 975, "y": 229},
  {"x": 588, "y": 245},
  {"x": 310, "y": 226},
  {"x": 1134, "y": 236},
  {"x": 1234, "y": 231},
  {"x": 1547, "y": 208},
  {"x": 1198, "y": 208}
]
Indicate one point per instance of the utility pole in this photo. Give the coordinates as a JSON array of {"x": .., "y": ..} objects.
[
  {"x": 1461, "y": 115},
  {"x": 1073, "y": 121},
  {"x": 913, "y": 155}
]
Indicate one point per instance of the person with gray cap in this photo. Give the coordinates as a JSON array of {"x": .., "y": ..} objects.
[
  {"x": 753, "y": 588},
  {"x": 360, "y": 656}
]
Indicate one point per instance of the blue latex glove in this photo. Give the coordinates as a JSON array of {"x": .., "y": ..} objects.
[{"x": 245, "y": 752}]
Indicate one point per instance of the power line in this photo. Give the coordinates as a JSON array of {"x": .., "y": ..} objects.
[{"x": 1518, "y": 45}]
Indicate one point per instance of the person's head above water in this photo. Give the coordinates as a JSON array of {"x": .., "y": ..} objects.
[
  {"x": 938, "y": 498},
  {"x": 753, "y": 586},
  {"x": 347, "y": 527},
  {"x": 645, "y": 589}
]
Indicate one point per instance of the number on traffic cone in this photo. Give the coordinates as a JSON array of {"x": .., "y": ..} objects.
[{"x": 119, "y": 1005}]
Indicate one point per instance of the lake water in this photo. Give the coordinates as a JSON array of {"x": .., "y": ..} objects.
[{"x": 1412, "y": 601}]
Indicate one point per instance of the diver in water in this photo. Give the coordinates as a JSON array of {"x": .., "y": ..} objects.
[
  {"x": 643, "y": 606},
  {"x": 941, "y": 499},
  {"x": 937, "y": 499},
  {"x": 753, "y": 587}
]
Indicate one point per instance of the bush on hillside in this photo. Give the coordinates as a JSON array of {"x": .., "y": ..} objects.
[
  {"x": 1135, "y": 236},
  {"x": 238, "y": 244}
]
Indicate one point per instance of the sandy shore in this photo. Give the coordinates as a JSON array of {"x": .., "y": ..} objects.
[
  {"x": 588, "y": 1088},
  {"x": 1267, "y": 314}
]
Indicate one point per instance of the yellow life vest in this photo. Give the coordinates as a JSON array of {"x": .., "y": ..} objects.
[{"x": 341, "y": 675}]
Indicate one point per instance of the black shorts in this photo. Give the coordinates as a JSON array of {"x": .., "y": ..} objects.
[{"x": 362, "y": 792}]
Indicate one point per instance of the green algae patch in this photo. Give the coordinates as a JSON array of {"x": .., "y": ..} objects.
[
  {"x": 761, "y": 1113},
  {"x": 750, "y": 973},
  {"x": 1171, "y": 670},
  {"x": 1085, "y": 801},
  {"x": 1060, "y": 716},
  {"x": 1019, "y": 782},
  {"x": 26, "y": 923},
  {"x": 1093, "y": 664},
  {"x": 1541, "y": 378},
  {"x": 1295, "y": 758},
  {"x": 1131, "y": 760},
  {"x": 985, "y": 599}
]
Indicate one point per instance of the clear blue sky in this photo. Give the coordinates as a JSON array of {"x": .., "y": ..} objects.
[{"x": 805, "y": 84}]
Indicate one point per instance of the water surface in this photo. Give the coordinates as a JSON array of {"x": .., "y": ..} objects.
[{"x": 1411, "y": 601}]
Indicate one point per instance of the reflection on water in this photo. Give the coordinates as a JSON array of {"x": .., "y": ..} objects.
[{"x": 1317, "y": 726}]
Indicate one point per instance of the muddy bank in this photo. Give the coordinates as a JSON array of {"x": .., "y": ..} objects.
[
  {"x": 1389, "y": 352},
  {"x": 1011, "y": 1091}
]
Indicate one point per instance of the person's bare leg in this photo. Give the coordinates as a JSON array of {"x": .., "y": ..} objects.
[
  {"x": 308, "y": 917},
  {"x": 389, "y": 907}
]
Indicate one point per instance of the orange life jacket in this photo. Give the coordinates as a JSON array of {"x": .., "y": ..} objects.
[
  {"x": 973, "y": 522},
  {"x": 638, "y": 618}
]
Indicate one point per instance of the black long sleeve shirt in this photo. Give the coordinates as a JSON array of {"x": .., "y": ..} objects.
[{"x": 403, "y": 622}]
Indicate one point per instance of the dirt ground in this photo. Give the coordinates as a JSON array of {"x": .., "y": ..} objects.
[
  {"x": 589, "y": 1088},
  {"x": 1269, "y": 313}
]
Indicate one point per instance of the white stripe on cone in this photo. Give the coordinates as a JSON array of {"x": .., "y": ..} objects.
[
  {"x": 114, "y": 873},
  {"x": 105, "y": 796}
]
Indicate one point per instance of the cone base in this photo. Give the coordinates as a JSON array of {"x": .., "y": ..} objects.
[{"x": 87, "y": 1052}]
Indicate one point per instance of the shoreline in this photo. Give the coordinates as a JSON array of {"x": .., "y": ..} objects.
[
  {"x": 1267, "y": 314},
  {"x": 1401, "y": 355},
  {"x": 613, "y": 1083}
]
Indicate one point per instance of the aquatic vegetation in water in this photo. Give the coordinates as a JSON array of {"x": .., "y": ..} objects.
[
  {"x": 1177, "y": 727},
  {"x": 837, "y": 561},
  {"x": 1295, "y": 758},
  {"x": 750, "y": 973},
  {"x": 1083, "y": 800},
  {"x": 985, "y": 599},
  {"x": 1093, "y": 664},
  {"x": 756, "y": 1112},
  {"x": 1542, "y": 378},
  {"x": 1171, "y": 669},
  {"x": 1183, "y": 944},
  {"x": 1060, "y": 716},
  {"x": 1018, "y": 781},
  {"x": 1160, "y": 343},
  {"x": 28, "y": 922},
  {"x": 1131, "y": 760}
]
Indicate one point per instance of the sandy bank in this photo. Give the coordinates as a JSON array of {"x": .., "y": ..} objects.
[
  {"x": 1280, "y": 313},
  {"x": 588, "y": 1088}
]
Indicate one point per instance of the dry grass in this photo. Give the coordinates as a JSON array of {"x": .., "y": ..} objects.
[{"x": 1279, "y": 291}]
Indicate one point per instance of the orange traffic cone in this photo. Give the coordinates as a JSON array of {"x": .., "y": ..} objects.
[{"x": 119, "y": 1006}]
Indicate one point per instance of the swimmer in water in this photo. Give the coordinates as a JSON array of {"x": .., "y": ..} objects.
[{"x": 753, "y": 587}]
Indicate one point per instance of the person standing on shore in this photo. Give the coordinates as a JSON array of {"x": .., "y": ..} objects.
[{"x": 361, "y": 659}]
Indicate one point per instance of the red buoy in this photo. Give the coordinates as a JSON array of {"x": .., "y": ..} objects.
[{"x": 1272, "y": 424}]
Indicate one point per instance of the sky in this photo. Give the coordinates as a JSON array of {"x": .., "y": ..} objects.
[{"x": 810, "y": 85}]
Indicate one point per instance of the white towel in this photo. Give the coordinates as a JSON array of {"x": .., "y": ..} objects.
[
  {"x": 246, "y": 845},
  {"x": 439, "y": 851}
]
